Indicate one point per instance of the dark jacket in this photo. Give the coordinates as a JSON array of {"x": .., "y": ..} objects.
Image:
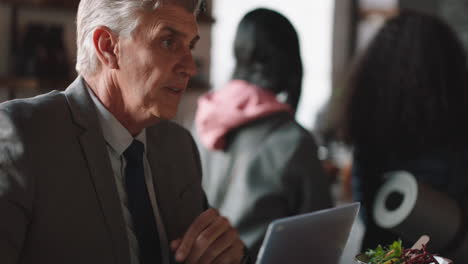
[{"x": 58, "y": 196}]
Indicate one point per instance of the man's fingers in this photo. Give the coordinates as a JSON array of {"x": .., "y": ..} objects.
[
  {"x": 175, "y": 244},
  {"x": 224, "y": 242},
  {"x": 201, "y": 223},
  {"x": 206, "y": 238},
  {"x": 210, "y": 239},
  {"x": 232, "y": 255}
]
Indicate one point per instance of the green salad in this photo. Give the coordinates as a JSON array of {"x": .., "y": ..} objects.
[
  {"x": 396, "y": 254},
  {"x": 386, "y": 255}
]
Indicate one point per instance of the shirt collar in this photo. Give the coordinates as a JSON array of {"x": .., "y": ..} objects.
[{"x": 115, "y": 134}]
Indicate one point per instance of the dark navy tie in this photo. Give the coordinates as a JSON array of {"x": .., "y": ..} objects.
[{"x": 139, "y": 205}]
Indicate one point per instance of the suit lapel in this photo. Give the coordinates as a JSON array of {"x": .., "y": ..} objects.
[
  {"x": 164, "y": 179},
  {"x": 95, "y": 152}
]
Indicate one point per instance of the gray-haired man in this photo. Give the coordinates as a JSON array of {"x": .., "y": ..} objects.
[{"x": 94, "y": 174}]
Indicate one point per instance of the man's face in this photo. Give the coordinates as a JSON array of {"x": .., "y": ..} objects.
[{"x": 156, "y": 63}]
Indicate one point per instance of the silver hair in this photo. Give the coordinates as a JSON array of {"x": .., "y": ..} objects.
[{"x": 121, "y": 16}]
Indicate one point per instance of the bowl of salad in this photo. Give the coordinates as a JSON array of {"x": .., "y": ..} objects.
[{"x": 397, "y": 254}]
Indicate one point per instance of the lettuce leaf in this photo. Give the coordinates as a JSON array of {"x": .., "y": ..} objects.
[{"x": 386, "y": 255}]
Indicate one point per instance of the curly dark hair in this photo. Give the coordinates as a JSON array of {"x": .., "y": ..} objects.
[
  {"x": 408, "y": 90},
  {"x": 267, "y": 53}
]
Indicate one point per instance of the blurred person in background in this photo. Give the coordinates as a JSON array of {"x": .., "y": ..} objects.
[
  {"x": 406, "y": 109},
  {"x": 259, "y": 163}
]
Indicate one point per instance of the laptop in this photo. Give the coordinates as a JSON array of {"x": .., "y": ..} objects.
[{"x": 317, "y": 237}]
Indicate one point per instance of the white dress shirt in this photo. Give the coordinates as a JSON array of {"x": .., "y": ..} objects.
[{"x": 118, "y": 139}]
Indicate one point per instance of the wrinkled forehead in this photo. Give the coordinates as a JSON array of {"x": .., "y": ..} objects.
[
  {"x": 192, "y": 6},
  {"x": 178, "y": 19}
]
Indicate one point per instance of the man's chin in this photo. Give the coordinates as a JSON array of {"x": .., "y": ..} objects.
[{"x": 169, "y": 115}]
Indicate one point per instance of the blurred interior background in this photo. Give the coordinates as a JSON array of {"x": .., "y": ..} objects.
[
  {"x": 37, "y": 52},
  {"x": 37, "y": 34}
]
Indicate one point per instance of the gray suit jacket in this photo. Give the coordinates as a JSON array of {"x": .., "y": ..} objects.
[
  {"x": 58, "y": 199},
  {"x": 269, "y": 170}
]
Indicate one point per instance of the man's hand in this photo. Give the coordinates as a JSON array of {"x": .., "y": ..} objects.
[{"x": 210, "y": 239}]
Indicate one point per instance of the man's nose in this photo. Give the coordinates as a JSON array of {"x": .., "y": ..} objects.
[{"x": 187, "y": 65}]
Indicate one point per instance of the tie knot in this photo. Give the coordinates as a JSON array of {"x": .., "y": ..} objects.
[{"x": 134, "y": 152}]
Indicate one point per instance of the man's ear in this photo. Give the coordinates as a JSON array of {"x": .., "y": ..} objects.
[{"x": 106, "y": 46}]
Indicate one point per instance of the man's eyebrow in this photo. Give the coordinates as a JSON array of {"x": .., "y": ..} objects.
[{"x": 180, "y": 33}]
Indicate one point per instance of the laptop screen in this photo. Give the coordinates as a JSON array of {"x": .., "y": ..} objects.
[{"x": 317, "y": 237}]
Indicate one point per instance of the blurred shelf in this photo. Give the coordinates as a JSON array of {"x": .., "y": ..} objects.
[
  {"x": 70, "y": 5},
  {"x": 13, "y": 84},
  {"x": 31, "y": 82},
  {"x": 23, "y": 82}
]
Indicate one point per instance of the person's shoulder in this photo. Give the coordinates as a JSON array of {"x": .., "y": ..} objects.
[
  {"x": 278, "y": 134},
  {"x": 27, "y": 107},
  {"x": 289, "y": 130},
  {"x": 33, "y": 117}
]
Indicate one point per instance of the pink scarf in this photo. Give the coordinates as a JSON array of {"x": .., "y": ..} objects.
[{"x": 236, "y": 104}]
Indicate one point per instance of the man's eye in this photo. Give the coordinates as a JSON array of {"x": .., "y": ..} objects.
[{"x": 168, "y": 43}]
